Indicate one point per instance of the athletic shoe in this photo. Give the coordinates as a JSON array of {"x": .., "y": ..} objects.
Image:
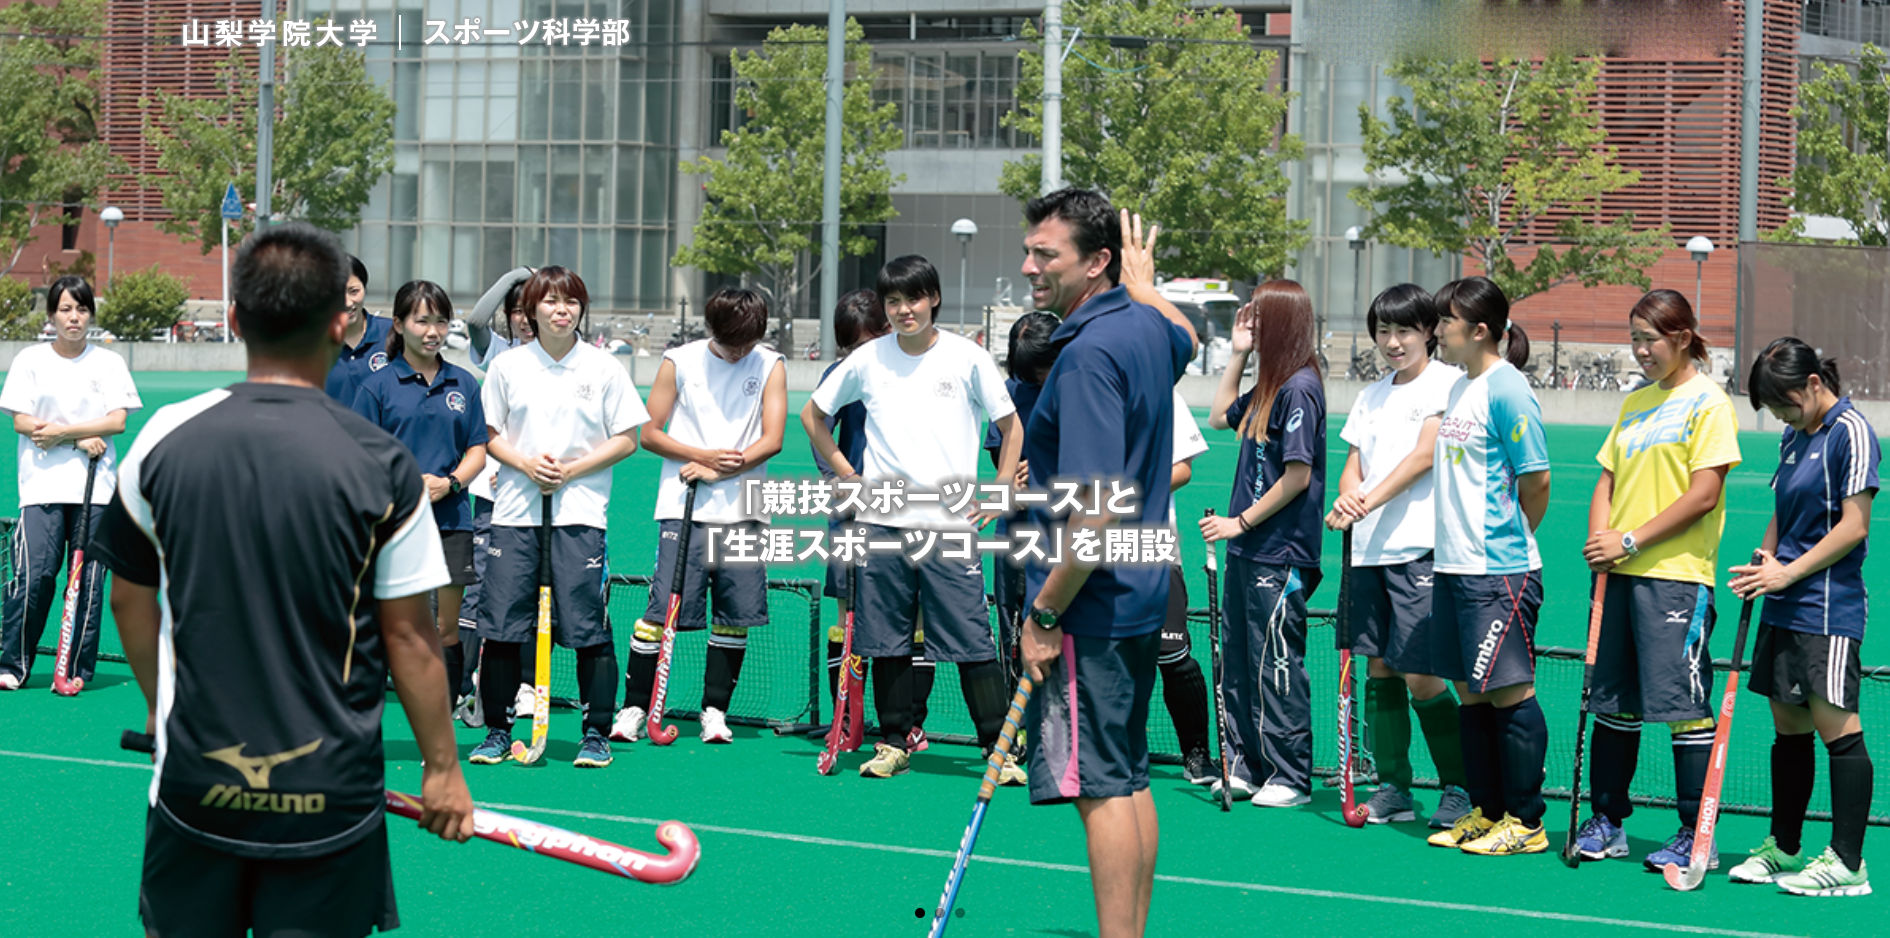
[
  {"x": 628, "y": 727},
  {"x": 9, "y": 682},
  {"x": 1678, "y": 850},
  {"x": 496, "y": 749},
  {"x": 1010, "y": 773},
  {"x": 1451, "y": 807},
  {"x": 1509, "y": 838},
  {"x": 1826, "y": 875},
  {"x": 526, "y": 705},
  {"x": 916, "y": 741},
  {"x": 1243, "y": 790},
  {"x": 471, "y": 711},
  {"x": 1599, "y": 839},
  {"x": 1279, "y": 796},
  {"x": 593, "y": 752},
  {"x": 888, "y": 760},
  {"x": 1768, "y": 864},
  {"x": 1198, "y": 769},
  {"x": 1468, "y": 828},
  {"x": 1388, "y": 805},
  {"x": 714, "y": 727}
]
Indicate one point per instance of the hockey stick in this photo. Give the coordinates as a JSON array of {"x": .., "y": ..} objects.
[
  {"x": 1348, "y": 747},
  {"x": 545, "y": 840},
  {"x": 837, "y": 734},
  {"x": 1214, "y": 646},
  {"x": 660, "y": 734},
  {"x": 62, "y": 685},
  {"x": 1013, "y": 721},
  {"x": 1690, "y": 878},
  {"x": 1571, "y": 858},
  {"x": 541, "y": 668}
]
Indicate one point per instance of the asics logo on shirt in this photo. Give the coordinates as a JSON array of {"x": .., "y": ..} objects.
[
  {"x": 1521, "y": 427},
  {"x": 1293, "y": 422},
  {"x": 256, "y": 769},
  {"x": 456, "y": 402},
  {"x": 1678, "y": 616},
  {"x": 377, "y": 361}
]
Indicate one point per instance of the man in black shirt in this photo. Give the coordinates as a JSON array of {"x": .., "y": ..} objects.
[{"x": 273, "y": 553}]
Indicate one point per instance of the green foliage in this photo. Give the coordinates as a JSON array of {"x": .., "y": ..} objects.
[
  {"x": 19, "y": 321},
  {"x": 1843, "y": 156},
  {"x": 334, "y": 139},
  {"x": 763, "y": 207},
  {"x": 1187, "y": 134},
  {"x": 142, "y": 301},
  {"x": 1483, "y": 150},
  {"x": 50, "y": 154},
  {"x": 85, "y": 265}
]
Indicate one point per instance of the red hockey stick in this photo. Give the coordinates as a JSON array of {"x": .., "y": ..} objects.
[
  {"x": 845, "y": 700},
  {"x": 63, "y": 685},
  {"x": 1348, "y": 746},
  {"x": 660, "y": 734}
]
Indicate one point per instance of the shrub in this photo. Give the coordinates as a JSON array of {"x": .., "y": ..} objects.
[{"x": 140, "y": 302}]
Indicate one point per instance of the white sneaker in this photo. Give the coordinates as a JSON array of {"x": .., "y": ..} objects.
[
  {"x": 471, "y": 711},
  {"x": 526, "y": 705},
  {"x": 9, "y": 682},
  {"x": 715, "y": 726},
  {"x": 628, "y": 727},
  {"x": 1279, "y": 796},
  {"x": 1241, "y": 788}
]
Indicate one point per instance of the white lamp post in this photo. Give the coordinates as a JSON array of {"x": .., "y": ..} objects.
[
  {"x": 965, "y": 229},
  {"x": 1701, "y": 248},
  {"x": 111, "y": 216},
  {"x": 1355, "y": 236}
]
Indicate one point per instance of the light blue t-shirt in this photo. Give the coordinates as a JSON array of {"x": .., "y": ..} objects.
[{"x": 1492, "y": 433}]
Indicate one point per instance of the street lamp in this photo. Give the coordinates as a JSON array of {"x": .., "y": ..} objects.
[
  {"x": 965, "y": 229},
  {"x": 111, "y": 216},
  {"x": 1355, "y": 236},
  {"x": 1701, "y": 247}
]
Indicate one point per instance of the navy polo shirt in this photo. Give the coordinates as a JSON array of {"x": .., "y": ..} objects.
[
  {"x": 1816, "y": 473},
  {"x": 849, "y": 430},
  {"x": 1296, "y": 432},
  {"x": 1107, "y": 412},
  {"x": 359, "y": 361},
  {"x": 437, "y": 422},
  {"x": 1024, "y": 396}
]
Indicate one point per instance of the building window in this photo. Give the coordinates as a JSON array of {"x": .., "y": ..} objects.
[{"x": 69, "y": 233}]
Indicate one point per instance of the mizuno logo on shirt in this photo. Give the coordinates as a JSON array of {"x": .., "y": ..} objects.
[
  {"x": 256, "y": 769},
  {"x": 236, "y": 799}
]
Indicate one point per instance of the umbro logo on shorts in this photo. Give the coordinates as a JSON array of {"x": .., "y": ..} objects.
[
  {"x": 1677, "y": 616},
  {"x": 1486, "y": 649}
]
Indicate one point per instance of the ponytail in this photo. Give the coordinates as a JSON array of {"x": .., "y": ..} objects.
[
  {"x": 1785, "y": 366},
  {"x": 1516, "y": 350}
]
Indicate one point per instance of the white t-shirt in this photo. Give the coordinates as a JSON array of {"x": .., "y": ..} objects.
[
  {"x": 47, "y": 386},
  {"x": 485, "y": 484},
  {"x": 925, "y": 417},
  {"x": 1189, "y": 443},
  {"x": 565, "y": 408},
  {"x": 1385, "y": 424},
  {"x": 718, "y": 406}
]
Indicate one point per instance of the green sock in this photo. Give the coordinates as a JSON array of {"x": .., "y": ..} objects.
[
  {"x": 1385, "y": 708},
  {"x": 1442, "y": 733}
]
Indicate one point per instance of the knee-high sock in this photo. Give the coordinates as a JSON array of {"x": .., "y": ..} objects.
[
  {"x": 924, "y": 673},
  {"x": 1525, "y": 746},
  {"x": 1482, "y": 759},
  {"x": 892, "y": 698},
  {"x": 1794, "y": 771},
  {"x": 1184, "y": 691},
  {"x": 1852, "y": 776},
  {"x": 1443, "y": 735},
  {"x": 1692, "y": 753},
  {"x": 836, "y": 645},
  {"x": 639, "y": 680},
  {"x": 1390, "y": 721},
  {"x": 499, "y": 672},
  {"x": 1616, "y": 751},
  {"x": 982, "y": 683},
  {"x": 727, "y": 646},
  {"x": 597, "y": 685},
  {"x": 455, "y": 666}
]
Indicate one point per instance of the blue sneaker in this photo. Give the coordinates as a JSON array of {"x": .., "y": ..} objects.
[
  {"x": 1599, "y": 839},
  {"x": 593, "y": 752},
  {"x": 1679, "y": 851},
  {"x": 496, "y": 749}
]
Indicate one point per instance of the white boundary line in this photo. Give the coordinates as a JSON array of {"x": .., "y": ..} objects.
[{"x": 1060, "y": 867}]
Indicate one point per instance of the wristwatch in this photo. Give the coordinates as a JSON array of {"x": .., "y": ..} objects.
[
  {"x": 453, "y": 486},
  {"x": 1627, "y": 544},
  {"x": 1046, "y": 619}
]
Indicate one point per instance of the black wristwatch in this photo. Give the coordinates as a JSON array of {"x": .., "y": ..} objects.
[
  {"x": 453, "y": 486},
  {"x": 1046, "y": 619}
]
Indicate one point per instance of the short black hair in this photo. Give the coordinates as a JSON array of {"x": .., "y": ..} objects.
[
  {"x": 358, "y": 269},
  {"x": 858, "y": 317},
  {"x": 736, "y": 317},
  {"x": 1407, "y": 305},
  {"x": 287, "y": 283},
  {"x": 1030, "y": 354},
  {"x": 409, "y": 300},
  {"x": 1093, "y": 222},
  {"x": 80, "y": 290},
  {"x": 912, "y": 277}
]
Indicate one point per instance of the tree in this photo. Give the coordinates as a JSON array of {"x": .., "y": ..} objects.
[
  {"x": 1482, "y": 152},
  {"x": 334, "y": 139},
  {"x": 19, "y": 322},
  {"x": 1187, "y": 133},
  {"x": 50, "y": 154},
  {"x": 763, "y": 206},
  {"x": 1843, "y": 155},
  {"x": 142, "y": 301}
]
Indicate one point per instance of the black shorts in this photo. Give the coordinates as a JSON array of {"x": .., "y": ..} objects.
[
  {"x": 189, "y": 889},
  {"x": 1088, "y": 721},
  {"x": 1391, "y": 614},
  {"x": 481, "y": 544},
  {"x": 1176, "y": 645},
  {"x": 580, "y": 568},
  {"x": 1651, "y": 658},
  {"x": 1792, "y": 667},
  {"x": 458, "y": 547},
  {"x": 893, "y": 590},
  {"x": 835, "y": 586},
  {"x": 738, "y": 591},
  {"x": 1486, "y": 629}
]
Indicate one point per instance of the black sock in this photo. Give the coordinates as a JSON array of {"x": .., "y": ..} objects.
[
  {"x": 499, "y": 672},
  {"x": 455, "y": 665},
  {"x": 834, "y": 650},
  {"x": 982, "y": 683},
  {"x": 1692, "y": 753},
  {"x": 1482, "y": 762},
  {"x": 468, "y": 676},
  {"x": 597, "y": 685},
  {"x": 1388, "y": 715},
  {"x": 639, "y": 680},
  {"x": 722, "y": 669},
  {"x": 1616, "y": 752},
  {"x": 1794, "y": 771},
  {"x": 1525, "y": 746},
  {"x": 924, "y": 673},
  {"x": 1184, "y": 690},
  {"x": 892, "y": 698},
  {"x": 1851, "y": 779},
  {"x": 1443, "y": 735}
]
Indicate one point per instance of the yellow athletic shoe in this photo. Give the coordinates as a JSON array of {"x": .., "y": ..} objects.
[
  {"x": 1468, "y": 828},
  {"x": 1509, "y": 838}
]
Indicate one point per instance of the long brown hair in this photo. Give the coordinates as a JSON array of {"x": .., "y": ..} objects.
[
  {"x": 1670, "y": 314},
  {"x": 1283, "y": 338}
]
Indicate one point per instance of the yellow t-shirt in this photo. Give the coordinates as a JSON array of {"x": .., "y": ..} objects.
[{"x": 1662, "y": 438}]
